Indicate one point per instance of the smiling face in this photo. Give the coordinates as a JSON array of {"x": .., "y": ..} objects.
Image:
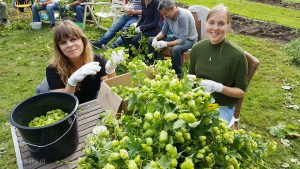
[
  {"x": 217, "y": 26},
  {"x": 72, "y": 48}
]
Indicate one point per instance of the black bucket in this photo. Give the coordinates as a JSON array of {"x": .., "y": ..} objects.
[
  {"x": 52, "y": 142},
  {"x": 127, "y": 40}
]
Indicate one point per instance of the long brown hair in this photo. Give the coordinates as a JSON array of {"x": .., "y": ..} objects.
[{"x": 65, "y": 30}]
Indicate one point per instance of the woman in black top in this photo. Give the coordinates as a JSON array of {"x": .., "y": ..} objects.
[
  {"x": 74, "y": 68},
  {"x": 148, "y": 24}
]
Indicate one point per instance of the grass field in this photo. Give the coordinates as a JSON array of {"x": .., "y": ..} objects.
[
  {"x": 260, "y": 11},
  {"x": 25, "y": 54}
]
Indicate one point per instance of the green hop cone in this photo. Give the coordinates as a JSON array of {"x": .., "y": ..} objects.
[
  {"x": 187, "y": 164},
  {"x": 132, "y": 165},
  {"x": 123, "y": 153}
]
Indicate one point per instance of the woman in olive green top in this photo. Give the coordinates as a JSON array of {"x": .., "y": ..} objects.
[{"x": 221, "y": 64}]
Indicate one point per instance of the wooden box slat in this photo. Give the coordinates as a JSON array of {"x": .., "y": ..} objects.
[{"x": 87, "y": 118}]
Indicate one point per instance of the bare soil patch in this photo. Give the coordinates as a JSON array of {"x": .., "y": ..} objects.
[
  {"x": 292, "y": 5},
  {"x": 263, "y": 29}
]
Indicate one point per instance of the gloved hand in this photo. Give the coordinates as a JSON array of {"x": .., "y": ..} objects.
[
  {"x": 99, "y": 129},
  {"x": 137, "y": 30},
  {"x": 191, "y": 77},
  {"x": 161, "y": 44},
  {"x": 67, "y": 7},
  {"x": 116, "y": 58},
  {"x": 133, "y": 24},
  {"x": 88, "y": 69},
  {"x": 211, "y": 86},
  {"x": 154, "y": 43}
]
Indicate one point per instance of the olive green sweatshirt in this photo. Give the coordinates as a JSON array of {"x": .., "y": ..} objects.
[{"x": 224, "y": 63}]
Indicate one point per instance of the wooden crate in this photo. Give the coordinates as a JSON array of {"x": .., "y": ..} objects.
[{"x": 87, "y": 114}]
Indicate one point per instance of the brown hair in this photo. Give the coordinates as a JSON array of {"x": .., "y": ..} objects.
[
  {"x": 65, "y": 30},
  {"x": 218, "y": 8}
]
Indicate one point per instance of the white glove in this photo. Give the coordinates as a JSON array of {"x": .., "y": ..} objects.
[
  {"x": 88, "y": 69},
  {"x": 67, "y": 7},
  {"x": 154, "y": 43},
  {"x": 191, "y": 77},
  {"x": 211, "y": 86},
  {"x": 116, "y": 58},
  {"x": 137, "y": 30},
  {"x": 98, "y": 129},
  {"x": 133, "y": 24},
  {"x": 161, "y": 44}
]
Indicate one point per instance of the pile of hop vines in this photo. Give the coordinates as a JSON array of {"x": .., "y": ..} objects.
[{"x": 169, "y": 125}]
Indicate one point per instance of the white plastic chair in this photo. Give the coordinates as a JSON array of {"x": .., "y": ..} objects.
[
  {"x": 202, "y": 12},
  {"x": 111, "y": 10},
  {"x": 88, "y": 8}
]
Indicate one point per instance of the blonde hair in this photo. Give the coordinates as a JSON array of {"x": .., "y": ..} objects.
[
  {"x": 65, "y": 30},
  {"x": 218, "y": 8}
]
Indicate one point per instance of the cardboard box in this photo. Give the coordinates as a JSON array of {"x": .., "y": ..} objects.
[{"x": 110, "y": 100}]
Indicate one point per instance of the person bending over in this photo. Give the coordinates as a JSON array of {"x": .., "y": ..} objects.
[{"x": 182, "y": 24}]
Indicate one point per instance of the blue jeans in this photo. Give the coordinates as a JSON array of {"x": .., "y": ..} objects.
[
  {"x": 123, "y": 23},
  {"x": 176, "y": 52},
  {"x": 137, "y": 38},
  {"x": 226, "y": 113},
  {"x": 79, "y": 12},
  {"x": 50, "y": 11}
]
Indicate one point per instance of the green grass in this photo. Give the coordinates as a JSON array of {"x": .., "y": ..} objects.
[
  {"x": 22, "y": 69},
  {"x": 264, "y": 103},
  {"x": 293, "y": 51},
  {"x": 260, "y": 11}
]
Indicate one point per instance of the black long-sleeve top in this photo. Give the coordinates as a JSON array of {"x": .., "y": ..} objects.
[{"x": 149, "y": 21}]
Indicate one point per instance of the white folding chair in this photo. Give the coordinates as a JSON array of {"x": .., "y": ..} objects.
[
  {"x": 88, "y": 8},
  {"x": 110, "y": 10}
]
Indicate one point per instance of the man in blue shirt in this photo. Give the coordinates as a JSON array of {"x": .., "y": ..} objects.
[{"x": 132, "y": 11}]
